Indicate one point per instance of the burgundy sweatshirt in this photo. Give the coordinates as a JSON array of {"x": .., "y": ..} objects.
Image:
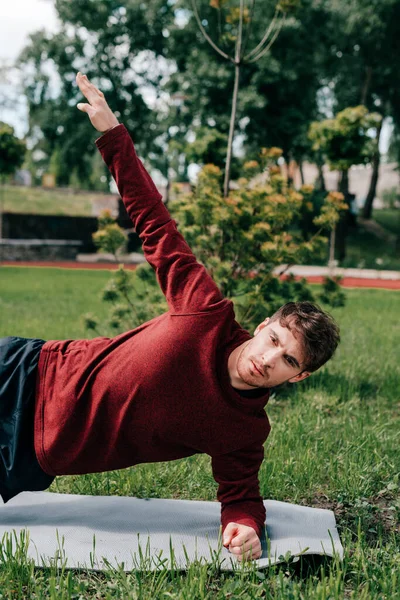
[{"x": 161, "y": 391}]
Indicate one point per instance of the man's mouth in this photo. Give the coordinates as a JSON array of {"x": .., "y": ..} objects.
[{"x": 258, "y": 369}]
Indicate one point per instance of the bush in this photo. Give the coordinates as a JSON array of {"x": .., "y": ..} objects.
[
  {"x": 134, "y": 297},
  {"x": 239, "y": 239},
  {"x": 262, "y": 224}
]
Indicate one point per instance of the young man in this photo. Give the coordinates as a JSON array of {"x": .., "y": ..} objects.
[{"x": 190, "y": 381}]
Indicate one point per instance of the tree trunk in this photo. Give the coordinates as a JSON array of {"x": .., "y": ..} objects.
[
  {"x": 1, "y": 208},
  {"x": 332, "y": 262},
  {"x": 344, "y": 182},
  {"x": 289, "y": 168},
  {"x": 366, "y": 86},
  {"x": 167, "y": 190},
  {"x": 342, "y": 226},
  {"x": 321, "y": 185},
  {"x": 238, "y": 51},
  {"x": 300, "y": 163},
  {"x": 376, "y": 162},
  {"x": 167, "y": 170},
  {"x": 231, "y": 131}
]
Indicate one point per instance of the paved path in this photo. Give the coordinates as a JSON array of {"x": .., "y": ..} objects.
[
  {"x": 351, "y": 278},
  {"x": 368, "y": 278}
]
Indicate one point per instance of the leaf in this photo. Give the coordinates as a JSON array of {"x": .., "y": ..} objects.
[{"x": 218, "y": 4}]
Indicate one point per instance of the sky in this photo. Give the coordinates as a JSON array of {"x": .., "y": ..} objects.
[{"x": 19, "y": 18}]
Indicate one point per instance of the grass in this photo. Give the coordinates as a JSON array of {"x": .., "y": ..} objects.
[
  {"x": 334, "y": 444},
  {"x": 365, "y": 251},
  {"x": 389, "y": 218},
  {"x": 42, "y": 201}
]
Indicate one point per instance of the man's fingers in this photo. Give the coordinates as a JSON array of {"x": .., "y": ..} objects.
[
  {"x": 244, "y": 547},
  {"x": 86, "y": 108},
  {"x": 238, "y": 540},
  {"x": 88, "y": 89}
]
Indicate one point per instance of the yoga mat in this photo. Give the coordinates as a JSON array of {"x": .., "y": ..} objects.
[{"x": 101, "y": 532}]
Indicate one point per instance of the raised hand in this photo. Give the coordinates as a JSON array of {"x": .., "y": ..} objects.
[{"x": 100, "y": 114}]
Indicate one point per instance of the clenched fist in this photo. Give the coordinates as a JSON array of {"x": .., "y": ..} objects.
[
  {"x": 242, "y": 541},
  {"x": 100, "y": 114}
]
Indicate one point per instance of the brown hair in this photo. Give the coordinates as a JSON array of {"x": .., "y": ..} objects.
[{"x": 319, "y": 332}]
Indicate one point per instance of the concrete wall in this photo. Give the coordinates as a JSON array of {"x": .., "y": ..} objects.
[
  {"x": 31, "y": 250},
  {"x": 60, "y": 227}
]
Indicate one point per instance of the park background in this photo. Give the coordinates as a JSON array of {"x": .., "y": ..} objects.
[{"x": 317, "y": 111}]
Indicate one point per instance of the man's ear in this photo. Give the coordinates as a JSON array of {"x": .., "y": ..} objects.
[
  {"x": 300, "y": 377},
  {"x": 261, "y": 326}
]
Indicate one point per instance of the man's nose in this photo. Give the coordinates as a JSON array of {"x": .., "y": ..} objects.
[{"x": 270, "y": 357}]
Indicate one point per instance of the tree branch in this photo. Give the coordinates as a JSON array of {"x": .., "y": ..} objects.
[
  {"x": 206, "y": 36},
  {"x": 264, "y": 52},
  {"x": 248, "y": 31},
  {"x": 240, "y": 33},
  {"x": 265, "y": 38}
]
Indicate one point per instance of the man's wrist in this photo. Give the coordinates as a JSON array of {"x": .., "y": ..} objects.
[{"x": 107, "y": 130}]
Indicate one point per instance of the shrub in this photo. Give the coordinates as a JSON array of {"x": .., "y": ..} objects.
[
  {"x": 261, "y": 225},
  {"x": 240, "y": 240}
]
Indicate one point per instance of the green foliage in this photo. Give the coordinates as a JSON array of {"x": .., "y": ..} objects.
[
  {"x": 391, "y": 197},
  {"x": 132, "y": 297},
  {"x": 288, "y": 5},
  {"x": 345, "y": 140},
  {"x": 208, "y": 147},
  {"x": 119, "y": 33},
  {"x": 109, "y": 237},
  {"x": 12, "y": 150},
  {"x": 241, "y": 239},
  {"x": 332, "y": 293}
]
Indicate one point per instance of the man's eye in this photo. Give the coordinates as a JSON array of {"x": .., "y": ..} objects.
[{"x": 290, "y": 362}]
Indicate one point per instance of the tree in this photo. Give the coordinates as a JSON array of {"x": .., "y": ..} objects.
[
  {"x": 346, "y": 141},
  {"x": 243, "y": 238},
  {"x": 12, "y": 152},
  {"x": 116, "y": 45},
  {"x": 278, "y": 94},
  {"x": 239, "y": 239},
  {"x": 364, "y": 64},
  {"x": 240, "y": 21}
]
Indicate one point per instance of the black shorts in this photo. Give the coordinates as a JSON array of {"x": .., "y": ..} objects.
[{"x": 19, "y": 467}]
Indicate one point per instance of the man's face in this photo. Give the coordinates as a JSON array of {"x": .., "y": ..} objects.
[{"x": 274, "y": 355}]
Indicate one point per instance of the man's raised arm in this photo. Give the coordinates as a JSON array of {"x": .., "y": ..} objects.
[{"x": 185, "y": 282}]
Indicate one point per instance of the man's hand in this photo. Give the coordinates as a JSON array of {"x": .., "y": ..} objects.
[
  {"x": 242, "y": 541},
  {"x": 100, "y": 114}
]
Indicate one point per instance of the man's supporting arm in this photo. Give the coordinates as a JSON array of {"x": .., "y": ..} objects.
[{"x": 238, "y": 487}]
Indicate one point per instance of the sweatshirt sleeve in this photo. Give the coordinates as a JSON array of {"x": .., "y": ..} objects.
[
  {"x": 185, "y": 283},
  {"x": 238, "y": 487}
]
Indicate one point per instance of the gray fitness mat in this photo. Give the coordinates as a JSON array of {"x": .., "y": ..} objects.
[{"x": 99, "y": 532}]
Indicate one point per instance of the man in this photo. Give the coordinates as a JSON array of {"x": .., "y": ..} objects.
[{"x": 190, "y": 381}]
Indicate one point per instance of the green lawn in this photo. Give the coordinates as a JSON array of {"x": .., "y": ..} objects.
[
  {"x": 389, "y": 218},
  {"x": 366, "y": 251},
  {"x": 334, "y": 443},
  {"x": 42, "y": 201}
]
